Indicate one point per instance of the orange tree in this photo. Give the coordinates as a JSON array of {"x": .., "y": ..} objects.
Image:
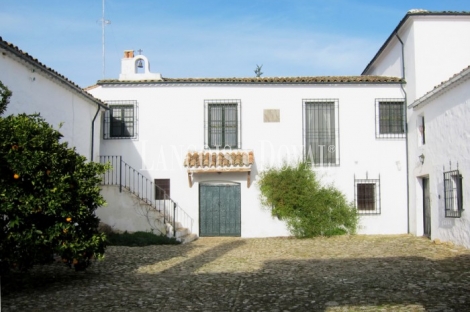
[{"x": 48, "y": 196}]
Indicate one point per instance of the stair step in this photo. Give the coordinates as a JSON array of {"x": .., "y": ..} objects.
[
  {"x": 187, "y": 238},
  {"x": 182, "y": 232}
]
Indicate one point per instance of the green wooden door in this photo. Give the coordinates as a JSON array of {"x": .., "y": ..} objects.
[
  {"x": 426, "y": 208},
  {"x": 219, "y": 210}
]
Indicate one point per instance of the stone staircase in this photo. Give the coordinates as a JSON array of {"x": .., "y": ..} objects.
[{"x": 171, "y": 220}]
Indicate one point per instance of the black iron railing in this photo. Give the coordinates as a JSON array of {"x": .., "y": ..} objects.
[{"x": 123, "y": 175}]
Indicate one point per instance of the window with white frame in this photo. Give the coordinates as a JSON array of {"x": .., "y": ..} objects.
[
  {"x": 222, "y": 124},
  {"x": 120, "y": 120},
  {"x": 367, "y": 196},
  {"x": 453, "y": 200},
  {"x": 321, "y": 131},
  {"x": 390, "y": 118}
]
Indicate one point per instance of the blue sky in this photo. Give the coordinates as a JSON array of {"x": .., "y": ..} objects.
[{"x": 208, "y": 38}]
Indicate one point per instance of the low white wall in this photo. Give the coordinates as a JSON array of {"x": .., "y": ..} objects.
[{"x": 125, "y": 212}]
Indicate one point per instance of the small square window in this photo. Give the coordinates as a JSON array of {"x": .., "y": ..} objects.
[
  {"x": 162, "y": 189},
  {"x": 390, "y": 118},
  {"x": 367, "y": 196}
]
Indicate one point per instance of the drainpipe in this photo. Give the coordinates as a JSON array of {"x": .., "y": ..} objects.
[
  {"x": 406, "y": 134},
  {"x": 93, "y": 132}
]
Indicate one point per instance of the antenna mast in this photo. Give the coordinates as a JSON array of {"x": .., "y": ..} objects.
[{"x": 104, "y": 22}]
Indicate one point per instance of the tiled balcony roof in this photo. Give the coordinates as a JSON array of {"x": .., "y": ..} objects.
[{"x": 219, "y": 161}]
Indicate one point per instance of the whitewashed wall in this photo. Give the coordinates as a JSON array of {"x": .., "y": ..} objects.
[
  {"x": 171, "y": 122},
  {"x": 128, "y": 213},
  {"x": 389, "y": 62},
  {"x": 447, "y": 143},
  {"x": 441, "y": 50},
  {"x": 36, "y": 92},
  {"x": 435, "y": 48}
]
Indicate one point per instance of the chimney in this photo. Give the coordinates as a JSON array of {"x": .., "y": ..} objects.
[{"x": 128, "y": 54}]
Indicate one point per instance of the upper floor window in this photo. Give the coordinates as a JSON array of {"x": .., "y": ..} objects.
[
  {"x": 390, "y": 118},
  {"x": 121, "y": 120},
  {"x": 453, "y": 200},
  {"x": 222, "y": 124},
  {"x": 321, "y": 132}
]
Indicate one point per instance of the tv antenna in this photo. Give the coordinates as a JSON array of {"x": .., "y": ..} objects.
[{"x": 104, "y": 22}]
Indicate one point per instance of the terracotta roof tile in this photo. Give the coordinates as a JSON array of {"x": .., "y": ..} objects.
[
  {"x": 265, "y": 80},
  {"x": 35, "y": 62}
]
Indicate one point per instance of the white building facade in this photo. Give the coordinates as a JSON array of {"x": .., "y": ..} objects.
[
  {"x": 37, "y": 88},
  {"x": 426, "y": 48},
  {"x": 172, "y": 131},
  {"x": 192, "y": 148},
  {"x": 439, "y": 140}
]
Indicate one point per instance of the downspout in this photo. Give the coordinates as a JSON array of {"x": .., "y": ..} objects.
[
  {"x": 93, "y": 132},
  {"x": 406, "y": 134}
]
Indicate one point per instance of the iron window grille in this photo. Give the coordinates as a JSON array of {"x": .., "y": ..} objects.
[
  {"x": 367, "y": 196},
  {"x": 222, "y": 124},
  {"x": 453, "y": 199},
  {"x": 321, "y": 132},
  {"x": 389, "y": 118},
  {"x": 121, "y": 120}
]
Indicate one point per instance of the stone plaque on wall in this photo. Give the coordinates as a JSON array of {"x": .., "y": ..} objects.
[{"x": 272, "y": 115}]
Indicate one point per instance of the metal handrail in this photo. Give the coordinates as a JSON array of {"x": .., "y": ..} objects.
[{"x": 124, "y": 175}]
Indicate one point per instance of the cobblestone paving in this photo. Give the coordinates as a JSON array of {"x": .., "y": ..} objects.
[{"x": 357, "y": 273}]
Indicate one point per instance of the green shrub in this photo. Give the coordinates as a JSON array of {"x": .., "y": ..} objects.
[
  {"x": 5, "y": 95},
  {"x": 48, "y": 195},
  {"x": 294, "y": 194},
  {"x": 139, "y": 239}
]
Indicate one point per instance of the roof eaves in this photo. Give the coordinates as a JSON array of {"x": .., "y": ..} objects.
[
  {"x": 400, "y": 24},
  {"x": 35, "y": 62},
  {"x": 268, "y": 80},
  {"x": 442, "y": 87}
]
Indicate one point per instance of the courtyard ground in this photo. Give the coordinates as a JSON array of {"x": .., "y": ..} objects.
[{"x": 347, "y": 273}]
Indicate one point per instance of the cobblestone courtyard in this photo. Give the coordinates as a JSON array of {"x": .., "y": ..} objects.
[{"x": 357, "y": 273}]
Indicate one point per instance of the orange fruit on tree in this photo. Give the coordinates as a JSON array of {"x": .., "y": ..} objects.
[
  {"x": 16, "y": 176},
  {"x": 68, "y": 219}
]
